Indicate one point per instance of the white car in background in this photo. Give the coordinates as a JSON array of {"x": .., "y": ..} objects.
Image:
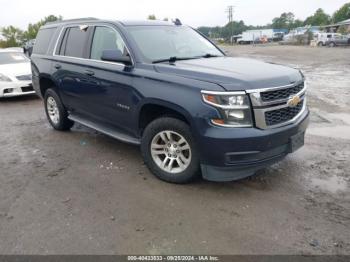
[{"x": 15, "y": 74}]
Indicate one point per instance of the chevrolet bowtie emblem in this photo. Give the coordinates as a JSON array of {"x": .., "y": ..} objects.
[{"x": 294, "y": 101}]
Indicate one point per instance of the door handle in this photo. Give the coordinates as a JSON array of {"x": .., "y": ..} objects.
[
  {"x": 58, "y": 66},
  {"x": 89, "y": 72}
]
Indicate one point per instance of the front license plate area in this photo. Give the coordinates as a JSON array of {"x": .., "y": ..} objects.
[{"x": 296, "y": 141}]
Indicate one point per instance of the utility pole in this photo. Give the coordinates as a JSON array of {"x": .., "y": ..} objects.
[{"x": 230, "y": 11}]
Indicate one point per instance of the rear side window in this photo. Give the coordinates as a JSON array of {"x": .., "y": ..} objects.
[
  {"x": 74, "y": 42},
  {"x": 43, "y": 40}
]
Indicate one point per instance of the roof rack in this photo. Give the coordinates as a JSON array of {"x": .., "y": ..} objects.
[
  {"x": 73, "y": 20},
  {"x": 177, "y": 21}
]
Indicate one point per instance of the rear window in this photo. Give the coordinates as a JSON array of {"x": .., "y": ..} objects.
[
  {"x": 43, "y": 40},
  {"x": 12, "y": 58},
  {"x": 75, "y": 40}
]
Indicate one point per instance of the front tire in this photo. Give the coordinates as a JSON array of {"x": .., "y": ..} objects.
[
  {"x": 55, "y": 111},
  {"x": 169, "y": 150}
]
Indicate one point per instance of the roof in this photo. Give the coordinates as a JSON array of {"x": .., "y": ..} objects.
[
  {"x": 123, "y": 22},
  {"x": 345, "y": 22}
]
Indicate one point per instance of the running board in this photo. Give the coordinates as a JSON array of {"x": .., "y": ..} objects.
[{"x": 109, "y": 131}]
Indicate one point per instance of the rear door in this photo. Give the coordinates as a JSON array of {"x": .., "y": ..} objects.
[{"x": 70, "y": 69}]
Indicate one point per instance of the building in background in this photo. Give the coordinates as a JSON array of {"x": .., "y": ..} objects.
[{"x": 341, "y": 26}]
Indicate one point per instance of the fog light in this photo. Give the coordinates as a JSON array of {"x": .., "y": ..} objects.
[{"x": 8, "y": 90}]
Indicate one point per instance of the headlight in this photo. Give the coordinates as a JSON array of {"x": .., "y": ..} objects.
[
  {"x": 4, "y": 78},
  {"x": 234, "y": 108}
]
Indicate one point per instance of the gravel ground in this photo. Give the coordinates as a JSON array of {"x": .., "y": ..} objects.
[{"x": 81, "y": 192}]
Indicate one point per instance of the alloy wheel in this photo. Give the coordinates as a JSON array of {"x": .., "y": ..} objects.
[
  {"x": 171, "y": 151},
  {"x": 52, "y": 110}
]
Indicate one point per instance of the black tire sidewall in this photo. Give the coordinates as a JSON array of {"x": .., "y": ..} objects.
[
  {"x": 176, "y": 125},
  {"x": 64, "y": 123}
]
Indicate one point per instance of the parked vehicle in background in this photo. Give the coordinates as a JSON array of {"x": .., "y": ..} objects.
[
  {"x": 235, "y": 38},
  {"x": 15, "y": 74},
  {"x": 14, "y": 49},
  {"x": 338, "y": 40},
  {"x": 300, "y": 35},
  {"x": 323, "y": 38},
  {"x": 193, "y": 110},
  {"x": 28, "y": 47},
  {"x": 261, "y": 36}
]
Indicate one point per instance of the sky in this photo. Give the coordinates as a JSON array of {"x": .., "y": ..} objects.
[{"x": 191, "y": 12}]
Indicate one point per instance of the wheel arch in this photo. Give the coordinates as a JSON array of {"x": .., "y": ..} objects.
[
  {"x": 154, "y": 108},
  {"x": 45, "y": 82}
]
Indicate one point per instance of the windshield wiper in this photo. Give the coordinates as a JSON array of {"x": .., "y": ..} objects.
[
  {"x": 172, "y": 59},
  {"x": 209, "y": 56}
]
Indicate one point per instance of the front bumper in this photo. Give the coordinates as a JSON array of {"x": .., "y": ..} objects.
[
  {"x": 234, "y": 153},
  {"x": 20, "y": 88}
]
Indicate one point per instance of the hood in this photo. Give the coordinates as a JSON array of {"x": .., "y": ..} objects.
[
  {"x": 13, "y": 70},
  {"x": 233, "y": 73}
]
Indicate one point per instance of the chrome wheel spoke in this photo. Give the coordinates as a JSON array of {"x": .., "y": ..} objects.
[
  {"x": 158, "y": 152},
  {"x": 170, "y": 165},
  {"x": 163, "y": 137},
  {"x": 181, "y": 141},
  {"x": 185, "y": 147},
  {"x": 168, "y": 135},
  {"x": 180, "y": 163},
  {"x": 183, "y": 159},
  {"x": 165, "y": 161}
]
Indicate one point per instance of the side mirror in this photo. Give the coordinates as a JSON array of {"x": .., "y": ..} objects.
[{"x": 115, "y": 55}]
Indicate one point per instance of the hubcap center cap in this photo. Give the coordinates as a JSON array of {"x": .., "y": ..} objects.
[{"x": 172, "y": 149}]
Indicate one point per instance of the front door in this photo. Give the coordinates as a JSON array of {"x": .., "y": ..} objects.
[{"x": 112, "y": 95}]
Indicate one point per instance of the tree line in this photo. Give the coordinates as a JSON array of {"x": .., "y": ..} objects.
[
  {"x": 14, "y": 36},
  {"x": 284, "y": 21}
]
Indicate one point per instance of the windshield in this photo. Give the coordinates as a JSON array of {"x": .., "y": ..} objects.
[
  {"x": 12, "y": 58},
  {"x": 164, "y": 42}
]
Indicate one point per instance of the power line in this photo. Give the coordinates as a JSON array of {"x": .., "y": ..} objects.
[{"x": 230, "y": 11}]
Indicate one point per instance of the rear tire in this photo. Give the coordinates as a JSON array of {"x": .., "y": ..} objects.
[
  {"x": 169, "y": 150},
  {"x": 55, "y": 111}
]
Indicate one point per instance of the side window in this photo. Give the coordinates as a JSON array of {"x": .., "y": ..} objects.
[
  {"x": 75, "y": 40},
  {"x": 106, "y": 38},
  {"x": 43, "y": 40}
]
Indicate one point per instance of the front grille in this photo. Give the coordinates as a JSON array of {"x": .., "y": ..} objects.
[
  {"x": 24, "y": 77},
  {"x": 282, "y": 115},
  {"x": 281, "y": 93}
]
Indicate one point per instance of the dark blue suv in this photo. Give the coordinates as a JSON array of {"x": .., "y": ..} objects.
[{"x": 166, "y": 87}]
